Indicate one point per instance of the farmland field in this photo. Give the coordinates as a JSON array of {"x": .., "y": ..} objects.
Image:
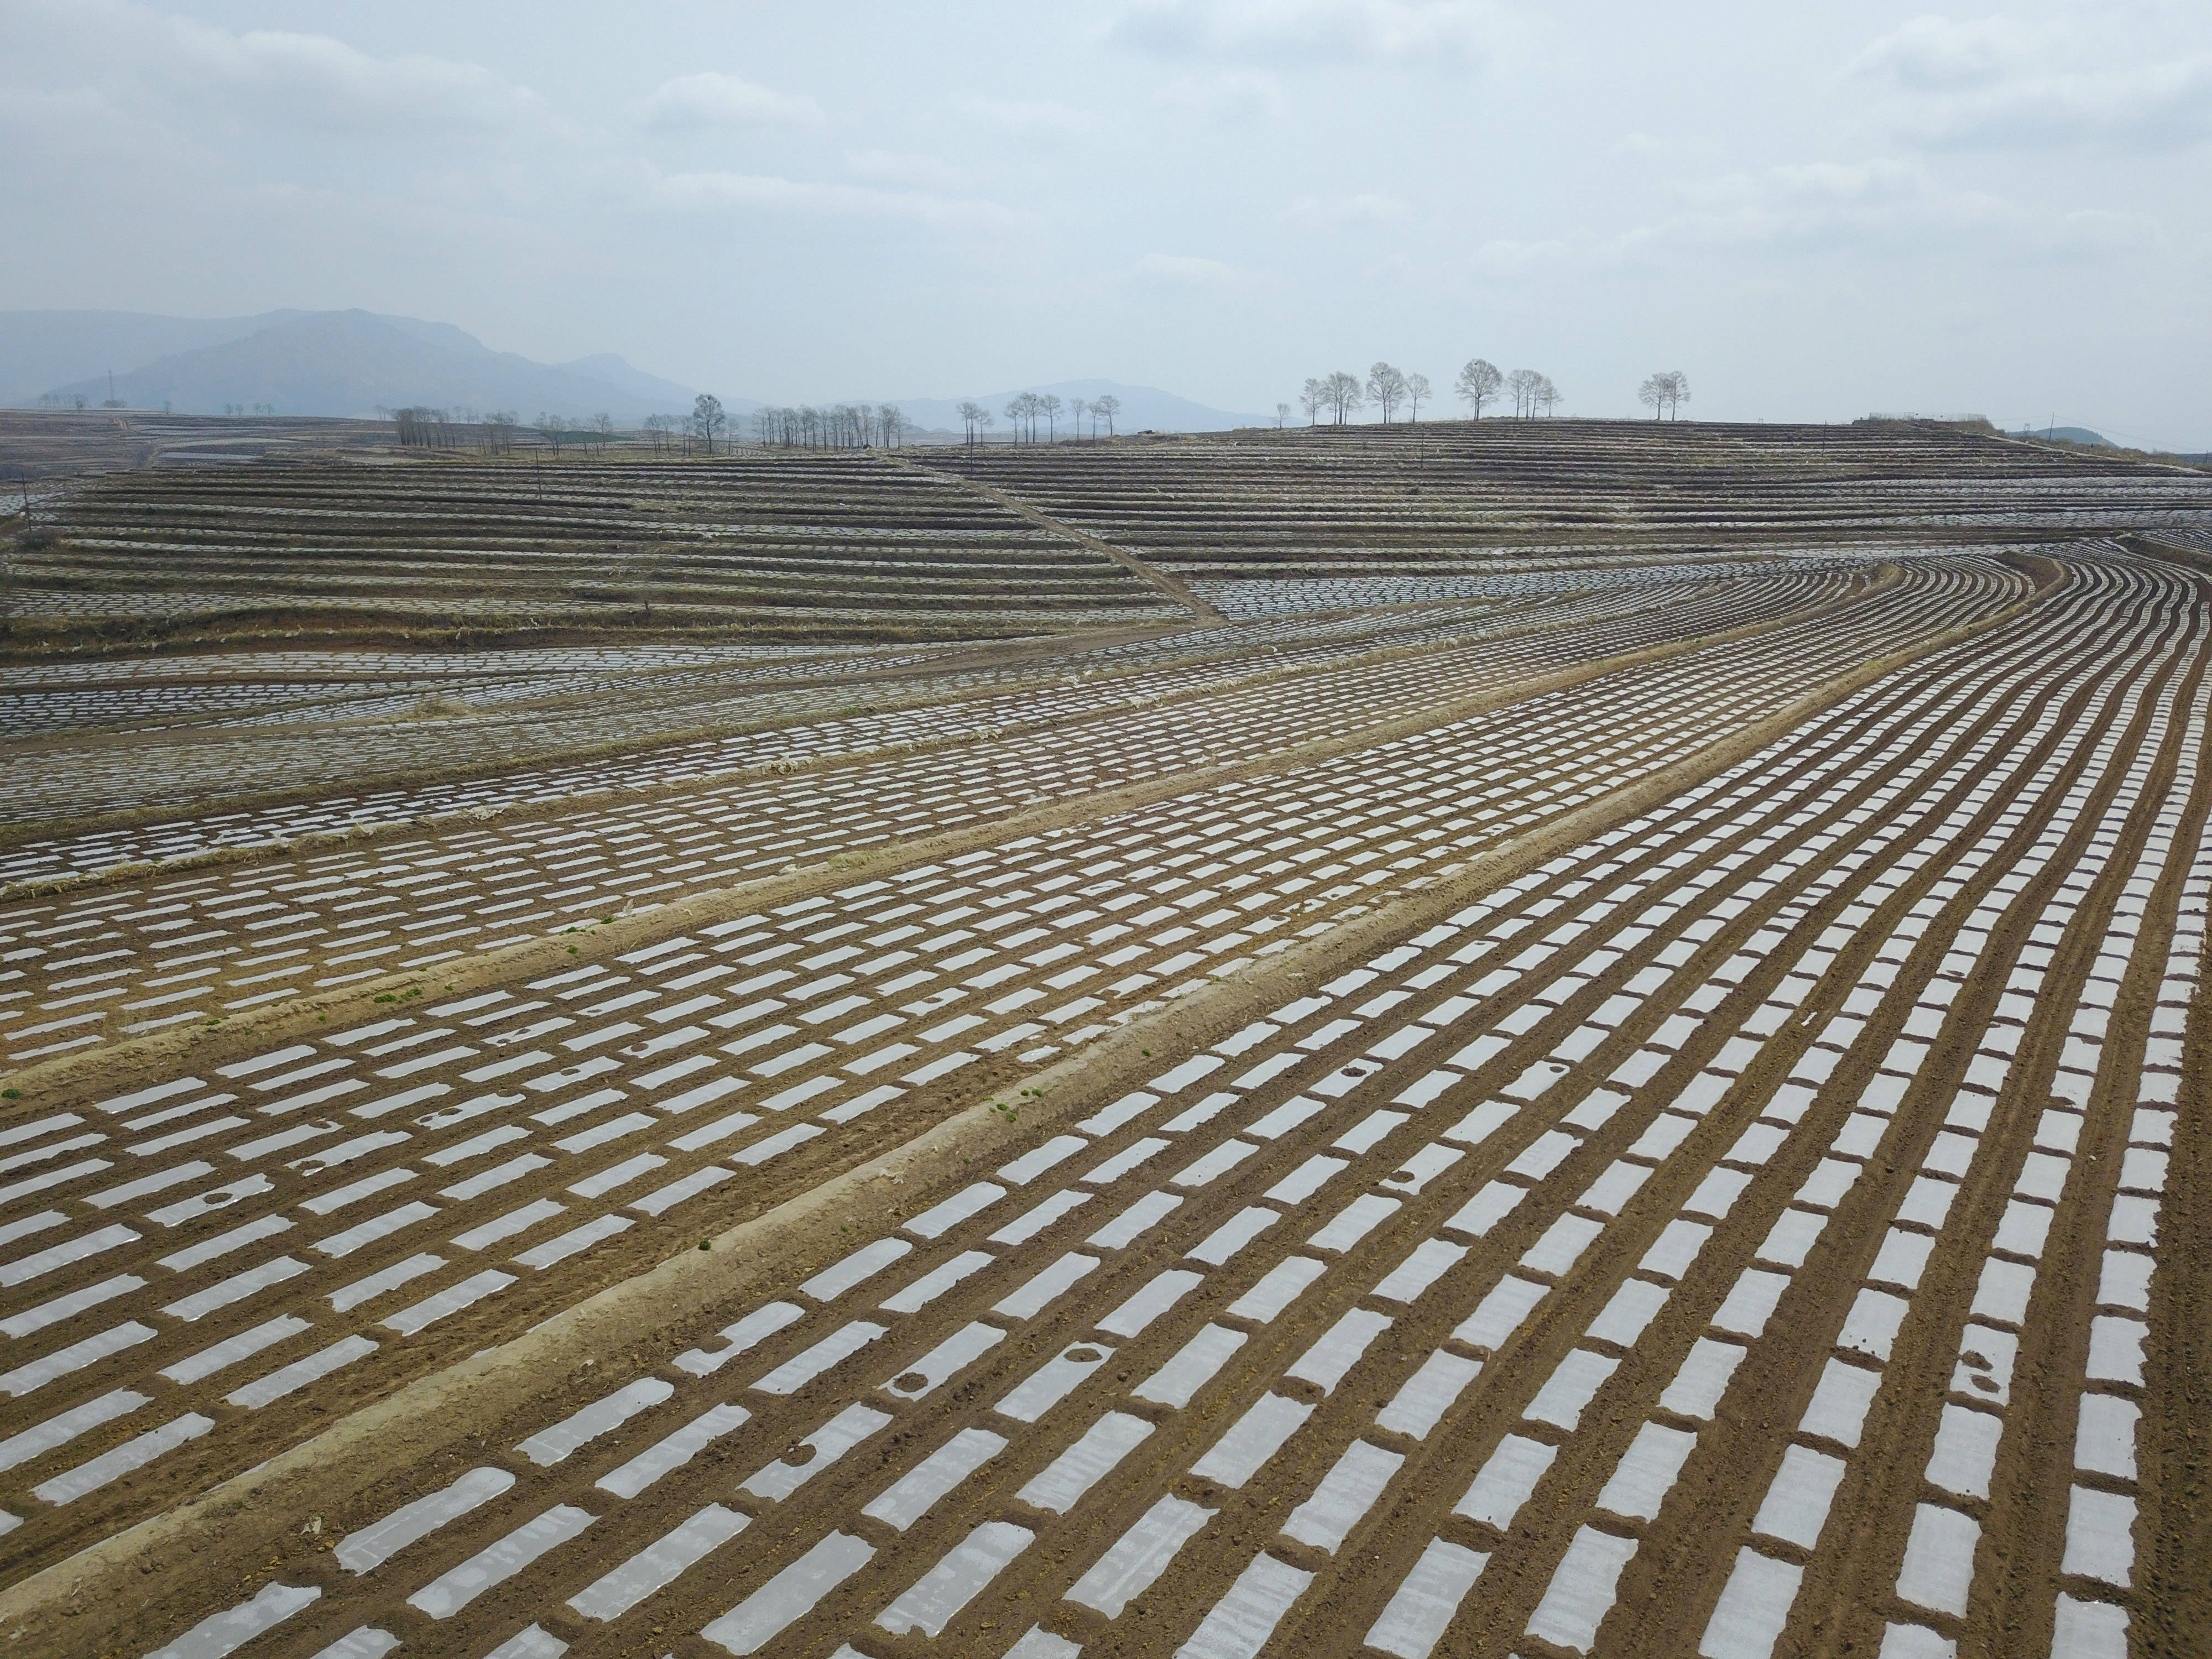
[{"x": 1521, "y": 1039}]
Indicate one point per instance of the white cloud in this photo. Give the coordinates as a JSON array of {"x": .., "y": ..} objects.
[
  {"x": 1240, "y": 95},
  {"x": 1057, "y": 122},
  {"x": 1312, "y": 32},
  {"x": 1334, "y": 212},
  {"x": 317, "y": 80},
  {"x": 2159, "y": 107},
  {"x": 712, "y": 99},
  {"x": 202, "y": 82},
  {"x": 1930, "y": 51},
  {"x": 886, "y": 166},
  {"x": 1996, "y": 82},
  {"x": 1188, "y": 270},
  {"x": 1505, "y": 258},
  {"x": 1883, "y": 208},
  {"x": 724, "y": 191}
]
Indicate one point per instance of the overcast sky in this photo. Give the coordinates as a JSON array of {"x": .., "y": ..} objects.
[{"x": 1815, "y": 211}]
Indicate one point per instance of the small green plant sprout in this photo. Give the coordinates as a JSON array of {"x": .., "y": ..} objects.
[
  {"x": 1005, "y": 1110},
  {"x": 11, "y": 1094}
]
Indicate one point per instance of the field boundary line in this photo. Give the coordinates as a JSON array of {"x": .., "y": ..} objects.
[{"x": 1174, "y": 586}]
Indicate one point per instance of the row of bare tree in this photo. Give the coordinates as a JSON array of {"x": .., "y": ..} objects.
[
  {"x": 1341, "y": 395},
  {"x": 1664, "y": 393},
  {"x": 837, "y": 426},
  {"x": 860, "y": 426},
  {"x": 494, "y": 431},
  {"x": 1480, "y": 381},
  {"x": 1532, "y": 392},
  {"x": 1387, "y": 390},
  {"x": 1025, "y": 410}
]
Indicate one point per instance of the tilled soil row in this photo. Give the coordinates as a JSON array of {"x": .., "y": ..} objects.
[
  {"x": 623, "y": 1256},
  {"x": 111, "y": 787},
  {"x": 1319, "y": 1319},
  {"x": 342, "y": 916},
  {"x": 1738, "y": 932}
]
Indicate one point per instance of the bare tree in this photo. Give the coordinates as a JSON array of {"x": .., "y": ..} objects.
[
  {"x": 1282, "y": 414},
  {"x": 891, "y": 425},
  {"x": 1521, "y": 386},
  {"x": 1313, "y": 397},
  {"x": 1418, "y": 391},
  {"x": 1478, "y": 383},
  {"x": 1077, "y": 409},
  {"x": 974, "y": 417},
  {"x": 1017, "y": 411},
  {"x": 1049, "y": 406},
  {"x": 1545, "y": 395},
  {"x": 1664, "y": 393},
  {"x": 1344, "y": 395},
  {"x": 707, "y": 419},
  {"x": 1110, "y": 406},
  {"x": 1386, "y": 390}
]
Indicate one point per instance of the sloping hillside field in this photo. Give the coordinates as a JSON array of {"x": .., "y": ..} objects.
[{"x": 1532, "y": 1040}]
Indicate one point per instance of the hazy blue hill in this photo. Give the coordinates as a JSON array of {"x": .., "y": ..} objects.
[
  {"x": 353, "y": 362},
  {"x": 42, "y": 349},
  {"x": 323, "y": 363},
  {"x": 616, "y": 373}
]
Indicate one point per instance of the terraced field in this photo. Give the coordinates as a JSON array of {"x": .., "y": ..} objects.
[
  {"x": 1383, "y": 516},
  {"x": 811, "y": 547},
  {"x": 1654, "y": 1108}
]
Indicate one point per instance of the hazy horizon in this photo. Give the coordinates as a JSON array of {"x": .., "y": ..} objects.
[{"x": 1812, "y": 215}]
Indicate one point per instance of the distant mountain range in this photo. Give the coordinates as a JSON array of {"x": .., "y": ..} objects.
[
  {"x": 308, "y": 362},
  {"x": 355, "y": 363},
  {"x": 2074, "y": 434}
]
